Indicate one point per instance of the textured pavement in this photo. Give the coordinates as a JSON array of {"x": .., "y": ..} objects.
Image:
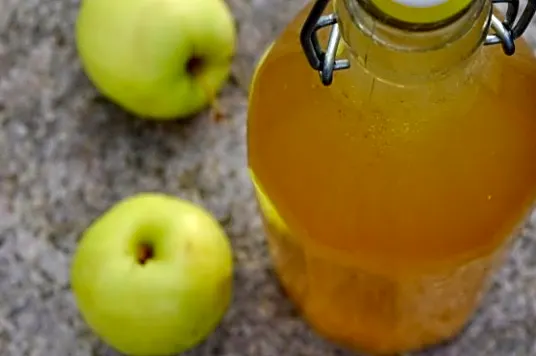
[{"x": 66, "y": 155}]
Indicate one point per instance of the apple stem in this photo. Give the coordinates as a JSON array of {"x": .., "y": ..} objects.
[
  {"x": 217, "y": 111},
  {"x": 145, "y": 253},
  {"x": 215, "y": 106},
  {"x": 194, "y": 66}
]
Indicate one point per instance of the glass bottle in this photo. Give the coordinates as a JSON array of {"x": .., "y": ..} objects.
[{"x": 391, "y": 185}]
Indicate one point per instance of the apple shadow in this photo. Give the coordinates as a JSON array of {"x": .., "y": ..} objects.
[{"x": 132, "y": 124}]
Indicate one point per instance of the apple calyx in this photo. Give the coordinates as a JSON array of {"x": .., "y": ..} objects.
[
  {"x": 145, "y": 252},
  {"x": 195, "y": 65}
]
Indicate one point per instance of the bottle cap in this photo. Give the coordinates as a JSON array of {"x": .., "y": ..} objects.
[{"x": 421, "y": 11}]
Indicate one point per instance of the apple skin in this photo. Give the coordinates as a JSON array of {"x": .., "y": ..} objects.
[
  {"x": 173, "y": 301},
  {"x": 136, "y": 53}
]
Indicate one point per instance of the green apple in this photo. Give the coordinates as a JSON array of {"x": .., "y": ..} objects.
[
  {"x": 158, "y": 59},
  {"x": 153, "y": 275}
]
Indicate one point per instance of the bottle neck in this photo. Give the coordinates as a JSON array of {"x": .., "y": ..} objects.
[{"x": 406, "y": 54}]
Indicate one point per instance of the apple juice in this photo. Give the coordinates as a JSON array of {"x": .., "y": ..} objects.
[{"x": 389, "y": 196}]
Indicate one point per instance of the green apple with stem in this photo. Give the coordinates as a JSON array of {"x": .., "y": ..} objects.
[
  {"x": 153, "y": 275},
  {"x": 158, "y": 59}
]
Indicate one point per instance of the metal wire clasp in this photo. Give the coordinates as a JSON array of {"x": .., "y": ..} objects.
[
  {"x": 324, "y": 62},
  {"x": 503, "y": 32},
  {"x": 508, "y": 31}
]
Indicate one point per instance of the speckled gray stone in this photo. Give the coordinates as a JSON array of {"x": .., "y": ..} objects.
[{"x": 66, "y": 155}]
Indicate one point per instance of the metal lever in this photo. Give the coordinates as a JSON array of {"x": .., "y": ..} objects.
[
  {"x": 324, "y": 62},
  {"x": 507, "y": 32}
]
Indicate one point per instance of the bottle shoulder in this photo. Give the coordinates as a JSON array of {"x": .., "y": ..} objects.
[{"x": 492, "y": 72}]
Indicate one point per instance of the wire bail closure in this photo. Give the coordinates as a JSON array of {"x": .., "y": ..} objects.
[{"x": 325, "y": 62}]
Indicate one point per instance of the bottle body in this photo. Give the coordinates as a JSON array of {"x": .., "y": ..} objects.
[{"x": 387, "y": 207}]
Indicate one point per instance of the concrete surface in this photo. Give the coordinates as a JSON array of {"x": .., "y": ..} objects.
[{"x": 66, "y": 155}]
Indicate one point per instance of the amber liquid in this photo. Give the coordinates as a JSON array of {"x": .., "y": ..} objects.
[{"x": 395, "y": 203}]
